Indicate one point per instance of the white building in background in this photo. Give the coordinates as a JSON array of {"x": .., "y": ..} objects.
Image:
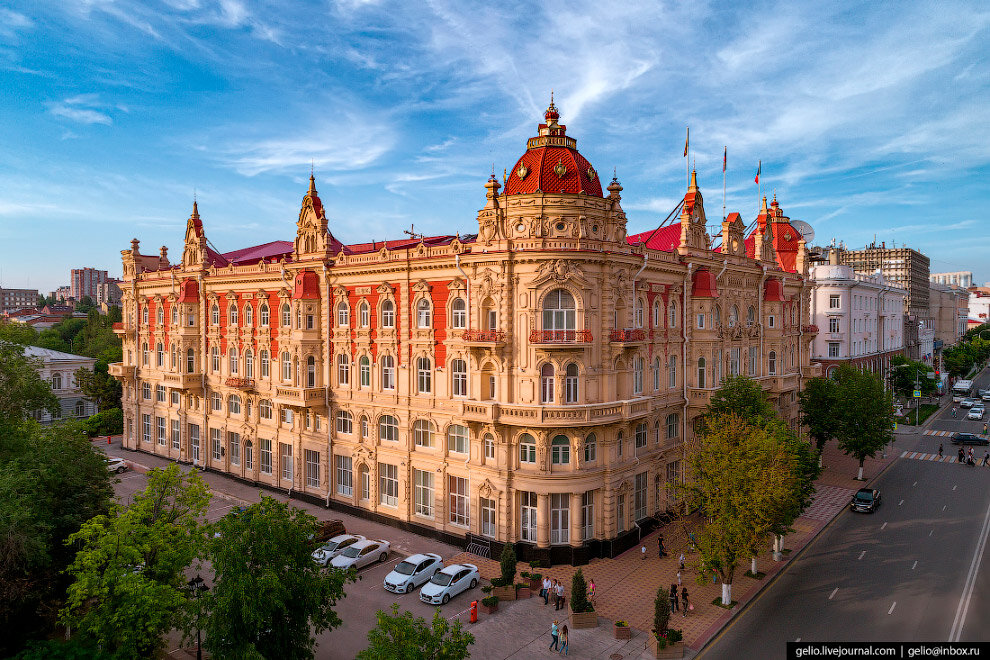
[
  {"x": 963, "y": 278},
  {"x": 860, "y": 318},
  {"x": 59, "y": 369}
]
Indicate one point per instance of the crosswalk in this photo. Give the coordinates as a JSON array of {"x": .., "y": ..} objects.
[
  {"x": 923, "y": 456},
  {"x": 943, "y": 434}
]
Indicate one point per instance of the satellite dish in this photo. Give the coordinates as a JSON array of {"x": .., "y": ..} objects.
[{"x": 803, "y": 228}]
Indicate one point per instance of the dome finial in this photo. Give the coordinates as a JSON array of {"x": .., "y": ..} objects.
[
  {"x": 694, "y": 180},
  {"x": 552, "y": 114}
]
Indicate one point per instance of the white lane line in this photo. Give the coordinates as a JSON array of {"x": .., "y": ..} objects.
[
  {"x": 953, "y": 488},
  {"x": 900, "y": 503},
  {"x": 832, "y": 595},
  {"x": 943, "y": 506},
  {"x": 974, "y": 568},
  {"x": 931, "y": 532},
  {"x": 914, "y": 484},
  {"x": 891, "y": 610},
  {"x": 882, "y": 526},
  {"x": 903, "y": 453},
  {"x": 914, "y": 565},
  {"x": 797, "y": 640},
  {"x": 861, "y": 555}
]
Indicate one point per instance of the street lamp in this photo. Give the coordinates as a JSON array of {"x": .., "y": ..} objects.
[{"x": 198, "y": 585}]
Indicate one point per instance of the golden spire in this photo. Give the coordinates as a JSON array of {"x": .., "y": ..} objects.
[
  {"x": 694, "y": 181},
  {"x": 195, "y": 211},
  {"x": 312, "y": 184}
]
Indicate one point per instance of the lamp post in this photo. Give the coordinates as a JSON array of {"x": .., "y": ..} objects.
[{"x": 197, "y": 585}]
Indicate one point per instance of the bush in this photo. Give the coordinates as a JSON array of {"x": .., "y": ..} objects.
[
  {"x": 105, "y": 422},
  {"x": 489, "y": 601},
  {"x": 661, "y": 612},
  {"x": 487, "y": 589},
  {"x": 674, "y": 635},
  {"x": 579, "y": 594},
  {"x": 536, "y": 563},
  {"x": 499, "y": 582},
  {"x": 508, "y": 562}
]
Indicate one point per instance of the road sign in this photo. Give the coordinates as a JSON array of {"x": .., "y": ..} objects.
[
  {"x": 917, "y": 394},
  {"x": 931, "y": 374}
]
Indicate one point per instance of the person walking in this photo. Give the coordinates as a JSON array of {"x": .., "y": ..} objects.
[
  {"x": 672, "y": 596},
  {"x": 984, "y": 428},
  {"x": 591, "y": 592},
  {"x": 563, "y": 640},
  {"x": 554, "y": 632},
  {"x": 940, "y": 451},
  {"x": 560, "y": 595},
  {"x": 986, "y": 458},
  {"x": 678, "y": 578},
  {"x": 660, "y": 545},
  {"x": 953, "y": 411},
  {"x": 681, "y": 562},
  {"x": 962, "y": 456},
  {"x": 545, "y": 591},
  {"x": 684, "y": 602}
]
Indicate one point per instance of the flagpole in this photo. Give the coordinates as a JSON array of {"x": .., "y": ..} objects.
[
  {"x": 725, "y": 155},
  {"x": 687, "y": 161}
]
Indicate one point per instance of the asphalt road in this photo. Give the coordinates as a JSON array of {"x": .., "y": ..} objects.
[{"x": 909, "y": 572}]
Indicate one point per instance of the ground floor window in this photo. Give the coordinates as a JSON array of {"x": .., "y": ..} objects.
[
  {"x": 248, "y": 455},
  {"x": 424, "y": 493},
  {"x": 285, "y": 460},
  {"x": 639, "y": 496},
  {"x": 194, "y": 441},
  {"x": 146, "y": 428},
  {"x": 266, "y": 456},
  {"x": 620, "y": 514},
  {"x": 459, "y": 503},
  {"x": 234, "y": 442},
  {"x": 176, "y": 440},
  {"x": 588, "y": 515},
  {"x": 388, "y": 484},
  {"x": 215, "y": 444},
  {"x": 365, "y": 482},
  {"x": 488, "y": 526},
  {"x": 345, "y": 477},
  {"x": 527, "y": 516},
  {"x": 312, "y": 468},
  {"x": 560, "y": 525}
]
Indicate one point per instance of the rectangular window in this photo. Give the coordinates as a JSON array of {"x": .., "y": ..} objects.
[
  {"x": 160, "y": 393},
  {"x": 312, "y": 468},
  {"x": 833, "y": 325},
  {"x": 701, "y": 321},
  {"x": 833, "y": 349},
  {"x": 176, "y": 440},
  {"x": 266, "y": 456},
  {"x": 345, "y": 476},
  {"x": 560, "y": 511},
  {"x": 160, "y": 426},
  {"x": 146, "y": 428},
  {"x": 590, "y": 448},
  {"x": 459, "y": 507},
  {"x": 639, "y": 496},
  {"x": 285, "y": 460},
  {"x": 751, "y": 367},
  {"x": 672, "y": 425},
  {"x": 365, "y": 483},
  {"x": 488, "y": 526},
  {"x": 234, "y": 442},
  {"x": 457, "y": 439},
  {"x": 771, "y": 321},
  {"x": 424, "y": 492},
  {"x": 248, "y": 455},
  {"x": 215, "y": 445},
  {"x": 146, "y": 391},
  {"x": 833, "y": 301},
  {"x": 641, "y": 436},
  {"x": 527, "y": 516},
  {"x": 194, "y": 441},
  {"x": 388, "y": 484},
  {"x": 588, "y": 515},
  {"x": 620, "y": 513},
  {"x": 673, "y": 478},
  {"x": 734, "y": 360},
  {"x": 175, "y": 398}
]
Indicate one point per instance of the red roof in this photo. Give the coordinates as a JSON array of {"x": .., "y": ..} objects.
[
  {"x": 666, "y": 238},
  {"x": 406, "y": 243},
  {"x": 258, "y": 252},
  {"x": 307, "y": 286}
]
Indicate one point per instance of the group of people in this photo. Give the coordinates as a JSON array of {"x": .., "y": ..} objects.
[
  {"x": 559, "y": 635},
  {"x": 553, "y": 589},
  {"x": 684, "y": 606}
]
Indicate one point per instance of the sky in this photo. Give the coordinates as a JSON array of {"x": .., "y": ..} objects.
[{"x": 872, "y": 120}]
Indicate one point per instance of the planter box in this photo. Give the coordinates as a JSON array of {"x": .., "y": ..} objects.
[
  {"x": 505, "y": 593},
  {"x": 489, "y": 610},
  {"x": 524, "y": 592},
  {"x": 670, "y": 652},
  {"x": 622, "y": 632},
  {"x": 535, "y": 585},
  {"x": 584, "y": 620}
]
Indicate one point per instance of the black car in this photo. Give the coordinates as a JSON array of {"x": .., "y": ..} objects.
[
  {"x": 969, "y": 439},
  {"x": 866, "y": 500}
]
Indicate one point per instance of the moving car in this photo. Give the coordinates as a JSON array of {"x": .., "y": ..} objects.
[
  {"x": 412, "y": 572},
  {"x": 334, "y": 547},
  {"x": 116, "y": 464},
  {"x": 866, "y": 500},
  {"x": 362, "y": 553},
  {"x": 968, "y": 403},
  {"x": 969, "y": 439},
  {"x": 449, "y": 582},
  {"x": 976, "y": 412}
]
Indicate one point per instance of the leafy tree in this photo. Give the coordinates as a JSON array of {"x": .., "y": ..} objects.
[
  {"x": 105, "y": 422},
  {"x": 269, "y": 596},
  {"x": 403, "y": 637},
  {"x": 507, "y": 563},
  {"x": 22, "y": 391},
  {"x": 18, "y": 333},
  {"x": 748, "y": 483},
  {"x": 129, "y": 586},
  {"x": 85, "y": 304},
  {"x": 903, "y": 373},
  {"x": 865, "y": 413},
  {"x": 52, "y": 480},
  {"x": 744, "y": 397},
  {"x": 579, "y": 594},
  {"x": 819, "y": 399},
  {"x": 661, "y": 611},
  {"x": 99, "y": 385}
]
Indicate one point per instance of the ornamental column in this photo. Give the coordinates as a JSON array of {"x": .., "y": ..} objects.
[
  {"x": 575, "y": 506},
  {"x": 542, "y": 520}
]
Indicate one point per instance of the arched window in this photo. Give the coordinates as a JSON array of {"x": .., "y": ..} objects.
[
  {"x": 656, "y": 431},
  {"x": 718, "y": 316},
  {"x": 286, "y": 315},
  {"x": 343, "y": 314},
  {"x": 233, "y": 312},
  {"x": 310, "y": 371},
  {"x": 559, "y": 311},
  {"x": 249, "y": 363},
  {"x": 263, "y": 358},
  {"x": 160, "y": 315},
  {"x": 424, "y": 314},
  {"x": 657, "y": 314},
  {"x": 672, "y": 314},
  {"x": 214, "y": 359},
  {"x": 286, "y": 367},
  {"x": 248, "y": 314},
  {"x": 672, "y": 372},
  {"x": 527, "y": 448},
  {"x": 144, "y": 353},
  {"x": 233, "y": 361},
  {"x": 265, "y": 315},
  {"x": 733, "y": 316},
  {"x": 546, "y": 383},
  {"x": 80, "y": 409},
  {"x": 701, "y": 372},
  {"x": 571, "y": 384},
  {"x": 388, "y": 372},
  {"x": 424, "y": 375},
  {"x": 423, "y": 433},
  {"x": 560, "y": 450},
  {"x": 637, "y": 375},
  {"x": 364, "y": 314},
  {"x": 190, "y": 361},
  {"x": 364, "y": 426},
  {"x": 458, "y": 317},
  {"x": 159, "y": 355},
  {"x": 458, "y": 375},
  {"x": 656, "y": 374},
  {"x": 343, "y": 369},
  {"x": 792, "y": 356},
  {"x": 215, "y": 314},
  {"x": 772, "y": 363},
  {"x": 751, "y": 315},
  {"x": 591, "y": 448},
  {"x": 489, "y": 446},
  {"x": 457, "y": 439},
  {"x": 345, "y": 423},
  {"x": 388, "y": 428},
  {"x": 144, "y": 316},
  {"x": 56, "y": 381},
  {"x": 388, "y": 314},
  {"x": 638, "y": 313}
]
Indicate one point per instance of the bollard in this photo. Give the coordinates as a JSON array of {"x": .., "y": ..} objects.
[
  {"x": 474, "y": 611},
  {"x": 108, "y": 439}
]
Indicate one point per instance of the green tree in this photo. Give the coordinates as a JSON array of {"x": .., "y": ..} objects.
[
  {"x": 129, "y": 586},
  {"x": 18, "y": 333},
  {"x": 507, "y": 562},
  {"x": 819, "y": 399},
  {"x": 22, "y": 391},
  {"x": 865, "y": 413},
  {"x": 905, "y": 374},
  {"x": 747, "y": 483},
  {"x": 579, "y": 594},
  {"x": 85, "y": 304},
  {"x": 744, "y": 397},
  {"x": 105, "y": 422},
  {"x": 269, "y": 597},
  {"x": 99, "y": 385},
  {"x": 404, "y": 637},
  {"x": 661, "y": 611}
]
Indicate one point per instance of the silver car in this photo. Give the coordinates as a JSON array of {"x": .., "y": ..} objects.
[
  {"x": 362, "y": 553},
  {"x": 334, "y": 547},
  {"x": 117, "y": 465},
  {"x": 449, "y": 582},
  {"x": 412, "y": 572},
  {"x": 976, "y": 412}
]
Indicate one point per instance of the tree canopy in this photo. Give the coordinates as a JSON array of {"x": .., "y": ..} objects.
[
  {"x": 865, "y": 414},
  {"x": 22, "y": 391},
  {"x": 818, "y": 401},
  {"x": 404, "y": 637},
  {"x": 744, "y": 397},
  {"x": 906, "y": 373}
]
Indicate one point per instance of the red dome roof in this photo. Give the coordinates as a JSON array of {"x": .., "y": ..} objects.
[{"x": 552, "y": 164}]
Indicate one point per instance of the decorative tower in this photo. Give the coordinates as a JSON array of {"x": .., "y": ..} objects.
[{"x": 693, "y": 235}]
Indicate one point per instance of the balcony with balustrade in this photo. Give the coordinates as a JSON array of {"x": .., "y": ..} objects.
[
  {"x": 240, "y": 383},
  {"x": 183, "y": 381},
  {"x": 628, "y": 338},
  {"x": 300, "y": 397},
  {"x": 483, "y": 338},
  {"x": 561, "y": 338}
]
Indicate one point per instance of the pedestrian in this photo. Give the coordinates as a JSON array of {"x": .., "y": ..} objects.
[
  {"x": 553, "y": 635},
  {"x": 591, "y": 591},
  {"x": 686, "y": 605},
  {"x": 693, "y": 540},
  {"x": 678, "y": 578},
  {"x": 984, "y": 428},
  {"x": 643, "y": 552},
  {"x": 563, "y": 639},
  {"x": 953, "y": 411},
  {"x": 545, "y": 591},
  {"x": 681, "y": 562},
  {"x": 560, "y": 595},
  {"x": 962, "y": 456},
  {"x": 940, "y": 451},
  {"x": 986, "y": 458},
  {"x": 672, "y": 596},
  {"x": 660, "y": 545}
]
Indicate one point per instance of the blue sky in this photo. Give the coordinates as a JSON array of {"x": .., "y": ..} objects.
[{"x": 870, "y": 118}]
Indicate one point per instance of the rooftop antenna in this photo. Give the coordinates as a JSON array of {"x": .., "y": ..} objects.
[{"x": 413, "y": 233}]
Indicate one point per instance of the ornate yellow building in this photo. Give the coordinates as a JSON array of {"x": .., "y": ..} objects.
[{"x": 532, "y": 383}]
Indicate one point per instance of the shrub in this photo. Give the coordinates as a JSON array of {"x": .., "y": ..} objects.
[
  {"x": 525, "y": 575},
  {"x": 536, "y": 563},
  {"x": 508, "y": 562},
  {"x": 579, "y": 594},
  {"x": 674, "y": 635},
  {"x": 489, "y": 601},
  {"x": 487, "y": 589},
  {"x": 661, "y": 612},
  {"x": 621, "y": 624},
  {"x": 105, "y": 422},
  {"x": 498, "y": 582}
]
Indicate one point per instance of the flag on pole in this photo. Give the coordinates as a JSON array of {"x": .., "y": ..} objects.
[
  {"x": 758, "y": 170},
  {"x": 687, "y": 137},
  {"x": 725, "y": 155}
]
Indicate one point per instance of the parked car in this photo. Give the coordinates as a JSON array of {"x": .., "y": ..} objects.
[
  {"x": 334, "y": 547},
  {"x": 866, "y": 500},
  {"x": 968, "y": 403},
  {"x": 969, "y": 439},
  {"x": 412, "y": 572},
  {"x": 116, "y": 464},
  {"x": 449, "y": 582},
  {"x": 362, "y": 553},
  {"x": 986, "y": 396},
  {"x": 976, "y": 412},
  {"x": 327, "y": 529}
]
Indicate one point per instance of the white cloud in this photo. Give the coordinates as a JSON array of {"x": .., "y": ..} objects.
[
  {"x": 82, "y": 108},
  {"x": 12, "y": 22}
]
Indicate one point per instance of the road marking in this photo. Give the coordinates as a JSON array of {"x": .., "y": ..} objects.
[
  {"x": 862, "y": 554},
  {"x": 903, "y": 453},
  {"x": 882, "y": 526},
  {"x": 931, "y": 532},
  {"x": 831, "y": 596},
  {"x": 913, "y": 566},
  {"x": 963, "y": 608},
  {"x": 891, "y": 610},
  {"x": 900, "y": 503},
  {"x": 953, "y": 488},
  {"x": 458, "y": 614},
  {"x": 797, "y": 640},
  {"x": 943, "y": 506},
  {"x": 914, "y": 484}
]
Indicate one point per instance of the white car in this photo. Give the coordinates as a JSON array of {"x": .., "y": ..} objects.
[
  {"x": 362, "y": 553},
  {"x": 412, "y": 572},
  {"x": 334, "y": 547},
  {"x": 449, "y": 582},
  {"x": 116, "y": 464},
  {"x": 976, "y": 412},
  {"x": 968, "y": 403}
]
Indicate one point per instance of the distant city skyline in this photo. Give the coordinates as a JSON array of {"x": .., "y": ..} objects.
[{"x": 869, "y": 121}]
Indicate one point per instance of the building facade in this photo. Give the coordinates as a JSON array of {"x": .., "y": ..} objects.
[
  {"x": 961, "y": 278},
  {"x": 59, "y": 369},
  {"x": 108, "y": 293},
  {"x": 533, "y": 382},
  {"x": 949, "y": 312},
  {"x": 860, "y": 318},
  {"x": 13, "y": 299},
  {"x": 86, "y": 282}
]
